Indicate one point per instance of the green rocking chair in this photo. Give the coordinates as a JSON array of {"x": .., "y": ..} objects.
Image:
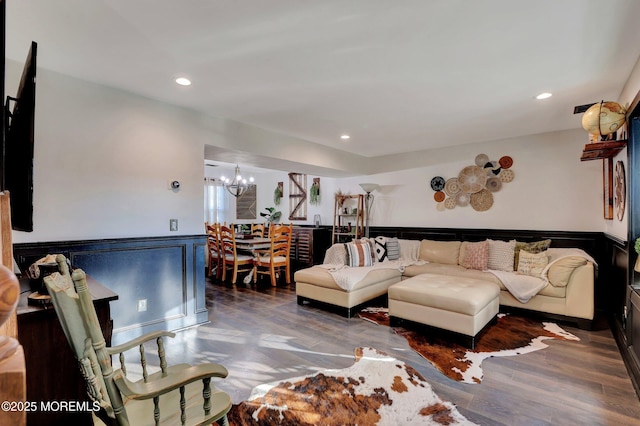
[{"x": 178, "y": 395}]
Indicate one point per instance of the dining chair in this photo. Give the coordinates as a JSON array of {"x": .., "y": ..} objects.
[
  {"x": 277, "y": 257},
  {"x": 257, "y": 230},
  {"x": 177, "y": 394},
  {"x": 231, "y": 259},
  {"x": 213, "y": 250}
]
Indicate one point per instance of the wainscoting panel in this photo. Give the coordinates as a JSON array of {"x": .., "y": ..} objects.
[{"x": 167, "y": 272}]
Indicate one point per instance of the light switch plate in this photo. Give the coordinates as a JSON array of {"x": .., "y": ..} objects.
[{"x": 173, "y": 224}]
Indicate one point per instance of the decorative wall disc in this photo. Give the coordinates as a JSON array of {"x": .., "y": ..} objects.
[
  {"x": 482, "y": 200},
  {"x": 472, "y": 179},
  {"x": 620, "y": 190},
  {"x": 494, "y": 184},
  {"x": 437, "y": 183},
  {"x": 439, "y": 196},
  {"x": 506, "y": 175},
  {"x": 505, "y": 162},
  {"x": 481, "y": 160},
  {"x": 462, "y": 199},
  {"x": 440, "y": 207},
  {"x": 451, "y": 186},
  {"x": 450, "y": 203}
]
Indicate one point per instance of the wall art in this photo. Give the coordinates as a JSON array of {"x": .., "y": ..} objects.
[{"x": 474, "y": 185}]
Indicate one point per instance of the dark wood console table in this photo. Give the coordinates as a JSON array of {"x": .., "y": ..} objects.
[{"x": 52, "y": 371}]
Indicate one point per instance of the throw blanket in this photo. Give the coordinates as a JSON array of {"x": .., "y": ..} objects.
[
  {"x": 524, "y": 287},
  {"x": 346, "y": 277}
]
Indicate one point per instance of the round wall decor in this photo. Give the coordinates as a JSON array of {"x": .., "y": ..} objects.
[{"x": 620, "y": 190}]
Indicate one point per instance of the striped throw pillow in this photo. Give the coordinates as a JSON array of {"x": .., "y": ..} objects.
[{"x": 358, "y": 254}]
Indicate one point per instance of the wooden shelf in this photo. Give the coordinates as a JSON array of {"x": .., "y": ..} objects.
[
  {"x": 340, "y": 219},
  {"x": 601, "y": 150}
]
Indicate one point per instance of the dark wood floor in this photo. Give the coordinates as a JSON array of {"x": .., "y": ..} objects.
[{"x": 262, "y": 335}]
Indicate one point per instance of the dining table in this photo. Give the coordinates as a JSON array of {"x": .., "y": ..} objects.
[{"x": 250, "y": 246}]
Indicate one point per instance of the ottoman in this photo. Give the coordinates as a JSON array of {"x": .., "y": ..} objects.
[{"x": 463, "y": 306}]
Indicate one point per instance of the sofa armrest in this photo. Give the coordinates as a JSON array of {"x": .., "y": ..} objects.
[{"x": 581, "y": 292}]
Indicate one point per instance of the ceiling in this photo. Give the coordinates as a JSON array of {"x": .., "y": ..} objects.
[{"x": 397, "y": 76}]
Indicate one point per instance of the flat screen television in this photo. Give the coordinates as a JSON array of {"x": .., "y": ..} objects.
[{"x": 17, "y": 150}]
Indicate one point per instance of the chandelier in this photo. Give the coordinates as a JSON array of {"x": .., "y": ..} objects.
[{"x": 238, "y": 185}]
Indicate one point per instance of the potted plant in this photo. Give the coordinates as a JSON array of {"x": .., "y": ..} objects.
[{"x": 271, "y": 215}]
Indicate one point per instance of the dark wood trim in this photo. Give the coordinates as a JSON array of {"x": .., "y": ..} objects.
[{"x": 167, "y": 271}]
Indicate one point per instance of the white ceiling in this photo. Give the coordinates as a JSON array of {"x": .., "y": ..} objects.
[{"x": 398, "y": 76}]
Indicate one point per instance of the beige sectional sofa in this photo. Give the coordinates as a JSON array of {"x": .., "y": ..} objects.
[{"x": 566, "y": 284}]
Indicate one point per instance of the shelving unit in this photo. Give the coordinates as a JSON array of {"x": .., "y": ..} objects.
[{"x": 348, "y": 224}]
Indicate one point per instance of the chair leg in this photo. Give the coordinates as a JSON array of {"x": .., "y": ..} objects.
[
  {"x": 255, "y": 273},
  {"x": 287, "y": 274},
  {"x": 273, "y": 276},
  {"x": 235, "y": 274},
  {"x": 224, "y": 271}
]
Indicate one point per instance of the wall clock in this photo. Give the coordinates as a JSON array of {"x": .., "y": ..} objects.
[{"x": 620, "y": 190}]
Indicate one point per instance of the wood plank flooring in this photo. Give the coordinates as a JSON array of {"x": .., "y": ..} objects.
[{"x": 262, "y": 335}]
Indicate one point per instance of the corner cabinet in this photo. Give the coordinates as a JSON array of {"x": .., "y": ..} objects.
[{"x": 348, "y": 218}]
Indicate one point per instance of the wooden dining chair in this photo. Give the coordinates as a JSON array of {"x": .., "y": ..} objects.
[
  {"x": 178, "y": 394},
  {"x": 277, "y": 257},
  {"x": 257, "y": 230},
  {"x": 214, "y": 260},
  {"x": 231, "y": 259}
]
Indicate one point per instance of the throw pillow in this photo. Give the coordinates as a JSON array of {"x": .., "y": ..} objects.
[
  {"x": 501, "y": 254},
  {"x": 476, "y": 256},
  {"x": 381, "y": 248},
  {"x": 393, "y": 249},
  {"x": 560, "y": 272},
  {"x": 532, "y": 263},
  {"x": 358, "y": 254},
  {"x": 534, "y": 247},
  {"x": 372, "y": 246}
]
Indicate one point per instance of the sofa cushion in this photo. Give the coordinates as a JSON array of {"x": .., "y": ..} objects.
[
  {"x": 501, "y": 254},
  {"x": 560, "y": 272},
  {"x": 476, "y": 255},
  {"x": 451, "y": 270},
  {"x": 533, "y": 247},
  {"x": 359, "y": 254},
  {"x": 532, "y": 263},
  {"x": 446, "y": 252}
]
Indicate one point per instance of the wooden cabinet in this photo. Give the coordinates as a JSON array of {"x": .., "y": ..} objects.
[
  {"x": 53, "y": 374},
  {"x": 348, "y": 218},
  {"x": 308, "y": 246}
]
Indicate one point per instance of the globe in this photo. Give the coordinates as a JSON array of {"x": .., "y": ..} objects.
[{"x": 603, "y": 118}]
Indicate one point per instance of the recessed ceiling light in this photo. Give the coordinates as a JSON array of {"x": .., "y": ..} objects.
[
  {"x": 182, "y": 81},
  {"x": 544, "y": 95},
  {"x": 345, "y": 137}
]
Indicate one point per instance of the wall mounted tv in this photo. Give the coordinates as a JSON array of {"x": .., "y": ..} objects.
[{"x": 17, "y": 150}]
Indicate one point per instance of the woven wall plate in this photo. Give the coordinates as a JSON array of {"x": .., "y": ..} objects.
[
  {"x": 505, "y": 162},
  {"x": 440, "y": 207},
  {"x": 439, "y": 196},
  {"x": 494, "y": 184},
  {"x": 481, "y": 160},
  {"x": 462, "y": 199},
  {"x": 437, "y": 183},
  {"x": 450, "y": 203},
  {"x": 506, "y": 175},
  {"x": 481, "y": 200},
  {"x": 472, "y": 179},
  {"x": 451, "y": 186}
]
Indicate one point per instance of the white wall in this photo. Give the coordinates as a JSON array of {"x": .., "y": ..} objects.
[
  {"x": 552, "y": 189},
  {"x": 103, "y": 159}
]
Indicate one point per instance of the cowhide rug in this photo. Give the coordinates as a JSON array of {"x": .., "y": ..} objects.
[
  {"x": 376, "y": 390},
  {"x": 511, "y": 335}
]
